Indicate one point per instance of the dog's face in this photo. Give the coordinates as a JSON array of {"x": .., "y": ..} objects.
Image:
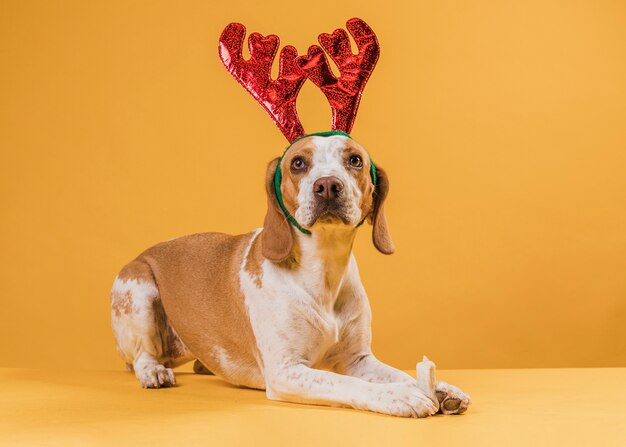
[{"x": 325, "y": 181}]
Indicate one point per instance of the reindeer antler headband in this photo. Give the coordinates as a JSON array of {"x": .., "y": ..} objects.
[{"x": 278, "y": 97}]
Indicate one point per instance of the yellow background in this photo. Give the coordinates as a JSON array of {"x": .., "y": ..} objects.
[{"x": 501, "y": 125}]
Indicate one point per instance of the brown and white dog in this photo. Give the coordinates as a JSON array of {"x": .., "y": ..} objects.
[{"x": 276, "y": 309}]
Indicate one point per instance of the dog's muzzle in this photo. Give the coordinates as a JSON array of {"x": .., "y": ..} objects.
[{"x": 329, "y": 200}]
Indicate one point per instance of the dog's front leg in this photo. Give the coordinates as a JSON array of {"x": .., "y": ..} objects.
[
  {"x": 302, "y": 384},
  {"x": 354, "y": 357},
  {"x": 367, "y": 367}
]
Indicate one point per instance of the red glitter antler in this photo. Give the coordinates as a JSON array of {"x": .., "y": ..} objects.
[
  {"x": 278, "y": 97},
  {"x": 343, "y": 94}
]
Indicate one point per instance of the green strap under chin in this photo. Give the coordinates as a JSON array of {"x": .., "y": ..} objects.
[{"x": 278, "y": 177}]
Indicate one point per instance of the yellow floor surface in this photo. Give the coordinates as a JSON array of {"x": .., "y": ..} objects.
[{"x": 530, "y": 407}]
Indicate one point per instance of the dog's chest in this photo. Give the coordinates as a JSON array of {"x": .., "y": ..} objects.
[
  {"x": 325, "y": 337},
  {"x": 295, "y": 313},
  {"x": 318, "y": 317}
]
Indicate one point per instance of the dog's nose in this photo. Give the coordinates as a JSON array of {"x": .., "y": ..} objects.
[{"x": 327, "y": 187}]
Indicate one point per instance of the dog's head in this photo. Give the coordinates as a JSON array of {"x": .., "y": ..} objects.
[{"x": 325, "y": 181}]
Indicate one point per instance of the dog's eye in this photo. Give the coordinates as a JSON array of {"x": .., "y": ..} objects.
[
  {"x": 298, "y": 164},
  {"x": 356, "y": 161}
]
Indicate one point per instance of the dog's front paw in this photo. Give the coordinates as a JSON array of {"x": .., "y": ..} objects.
[
  {"x": 451, "y": 399},
  {"x": 155, "y": 376},
  {"x": 402, "y": 399}
]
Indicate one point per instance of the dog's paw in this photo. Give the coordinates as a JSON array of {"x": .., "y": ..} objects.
[
  {"x": 155, "y": 376},
  {"x": 404, "y": 399},
  {"x": 451, "y": 399}
]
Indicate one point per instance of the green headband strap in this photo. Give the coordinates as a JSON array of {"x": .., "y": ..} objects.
[{"x": 278, "y": 177}]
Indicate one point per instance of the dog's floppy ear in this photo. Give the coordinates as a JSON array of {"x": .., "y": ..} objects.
[
  {"x": 380, "y": 231},
  {"x": 276, "y": 238}
]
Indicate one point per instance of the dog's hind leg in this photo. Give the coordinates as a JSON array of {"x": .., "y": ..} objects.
[
  {"x": 144, "y": 337},
  {"x": 199, "y": 368}
]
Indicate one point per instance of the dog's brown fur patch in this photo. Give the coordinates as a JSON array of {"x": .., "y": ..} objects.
[{"x": 121, "y": 303}]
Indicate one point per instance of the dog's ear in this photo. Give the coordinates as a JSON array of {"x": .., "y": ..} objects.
[
  {"x": 276, "y": 238},
  {"x": 380, "y": 231}
]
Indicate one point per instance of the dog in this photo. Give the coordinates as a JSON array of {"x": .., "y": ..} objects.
[{"x": 281, "y": 311}]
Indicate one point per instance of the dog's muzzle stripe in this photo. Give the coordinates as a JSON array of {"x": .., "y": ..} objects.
[{"x": 278, "y": 178}]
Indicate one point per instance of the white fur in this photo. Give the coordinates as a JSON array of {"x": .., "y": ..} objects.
[
  {"x": 137, "y": 327},
  {"x": 328, "y": 161},
  {"x": 299, "y": 331},
  {"x": 139, "y": 339}
]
